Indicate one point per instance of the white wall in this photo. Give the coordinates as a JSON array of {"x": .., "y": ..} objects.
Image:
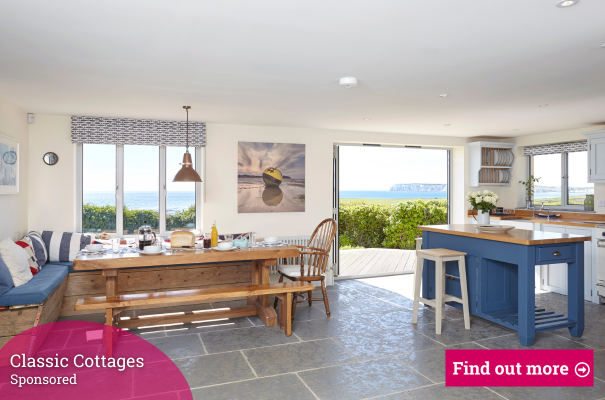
[
  {"x": 13, "y": 207},
  {"x": 52, "y": 195},
  {"x": 56, "y": 209}
]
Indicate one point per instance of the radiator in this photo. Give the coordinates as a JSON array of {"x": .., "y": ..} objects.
[{"x": 295, "y": 241}]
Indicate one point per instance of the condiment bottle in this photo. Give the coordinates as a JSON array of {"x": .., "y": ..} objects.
[{"x": 214, "y": 234}]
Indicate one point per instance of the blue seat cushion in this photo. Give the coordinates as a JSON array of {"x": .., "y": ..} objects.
[
  {"x": 68, "y": 264},
  {"x": 38, "y": 289}
]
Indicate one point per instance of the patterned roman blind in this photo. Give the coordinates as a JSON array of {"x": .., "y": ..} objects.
[
  {"x": 147, "y": 132},
  {"x": 555, "y": 148}
]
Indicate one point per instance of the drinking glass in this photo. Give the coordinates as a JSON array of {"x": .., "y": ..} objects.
[
  {"x": 252, "y": 239},
  {"x": 115, "y": 245},
  {"x": 207, "y": 240},
  {"x": 228, "y": 238}
]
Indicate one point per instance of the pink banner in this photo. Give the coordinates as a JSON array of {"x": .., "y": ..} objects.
[{"x": 519, "y": 368}]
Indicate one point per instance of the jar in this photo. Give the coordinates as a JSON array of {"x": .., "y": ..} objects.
[{"x": 589, "y": 202}]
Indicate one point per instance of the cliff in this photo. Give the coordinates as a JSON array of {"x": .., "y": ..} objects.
[{"x": 418, "y": 187}]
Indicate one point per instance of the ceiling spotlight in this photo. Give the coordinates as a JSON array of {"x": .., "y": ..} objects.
[
  {"x": 567, "y": 3},
  {"x": 348, "y": 82},
  {"x": 367, "y": 119},
  {"x": 542, "y": 105},
  {"x": 444, "y": 95}
]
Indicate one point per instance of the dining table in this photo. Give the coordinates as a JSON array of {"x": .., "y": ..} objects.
[{"x": 261, "y": 258}]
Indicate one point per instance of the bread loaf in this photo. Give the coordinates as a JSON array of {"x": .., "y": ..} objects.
[{"x": 182, "y": 239}]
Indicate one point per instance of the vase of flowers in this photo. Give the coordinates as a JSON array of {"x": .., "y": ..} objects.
[{"x": 482, "y": 202}]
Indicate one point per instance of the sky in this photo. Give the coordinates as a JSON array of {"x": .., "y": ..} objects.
[
  {"x": 254, "y": 157},
  {"x": 379, "y": 168},
  {"x": 141, "y": 168}
]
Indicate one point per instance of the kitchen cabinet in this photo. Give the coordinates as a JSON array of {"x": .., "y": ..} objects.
[
  {"x": 554, "y": 276},
  {"x": 490, "y": 163},
  {"x": 596, "y": 156}
]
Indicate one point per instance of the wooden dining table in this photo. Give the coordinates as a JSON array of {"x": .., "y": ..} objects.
[{"x": 262, "y": 258}]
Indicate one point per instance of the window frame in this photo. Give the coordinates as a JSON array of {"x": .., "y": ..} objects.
[
  {"x": 564, "y": 183},
  {"x": 119, "y": 190}
]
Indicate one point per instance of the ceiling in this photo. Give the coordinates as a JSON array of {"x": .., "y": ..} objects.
[{"x": 277, "y": 63}]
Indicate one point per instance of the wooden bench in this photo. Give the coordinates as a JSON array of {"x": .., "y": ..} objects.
[{"x": 114, "y": 306}]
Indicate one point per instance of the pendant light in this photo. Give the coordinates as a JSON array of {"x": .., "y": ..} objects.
[{"x": 187, "y": 173}]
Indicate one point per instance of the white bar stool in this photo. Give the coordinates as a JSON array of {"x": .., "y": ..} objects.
[{"x": 440, "y": 256}]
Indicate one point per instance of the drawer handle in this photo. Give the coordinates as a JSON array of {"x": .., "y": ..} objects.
[{"x": 556, "y": 253}]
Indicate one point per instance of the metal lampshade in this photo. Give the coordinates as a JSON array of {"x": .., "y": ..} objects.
[{"x": 187, "y": 173}]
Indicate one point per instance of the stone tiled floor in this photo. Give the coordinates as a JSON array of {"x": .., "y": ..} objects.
[{"x": 368, "y": 349}]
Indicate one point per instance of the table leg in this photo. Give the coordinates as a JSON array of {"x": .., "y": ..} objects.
[
  {"x": 575, "y": 291},
  {"x": 527, "y": 295},
  {"x": 111, "y": 283},
  {"x": 111, "y": 291},
  {"x": 261, "y": 271}
]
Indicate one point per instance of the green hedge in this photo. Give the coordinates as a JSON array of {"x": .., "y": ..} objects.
[
  {"x": 103, "y": 218},
  {"x": 391, "y": 226}
]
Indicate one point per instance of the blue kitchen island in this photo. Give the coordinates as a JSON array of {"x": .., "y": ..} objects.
[{"x": 500, "y": 275}]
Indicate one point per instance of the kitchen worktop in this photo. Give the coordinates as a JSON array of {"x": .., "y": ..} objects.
[
  {"x": 587, "y": 220},
  {"x": 517, "y": 236}
]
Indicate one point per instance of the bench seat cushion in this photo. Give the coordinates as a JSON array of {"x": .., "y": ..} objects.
[{"x": 38, "y": 289}]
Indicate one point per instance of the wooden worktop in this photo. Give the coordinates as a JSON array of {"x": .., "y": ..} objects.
[
  {"x": 197, "y": 256},
  {"x": 566, "y": 218},
  {"x": 517, "y": 236}
]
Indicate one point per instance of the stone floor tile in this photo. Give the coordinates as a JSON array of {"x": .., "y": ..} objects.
[
  {"x": 595, "y": 392},
  {"x": 331, "y": 327},
  {"x": 295, "y": 357},
  {"x": 543, "y": 340},
  {"x": 245, "y": 338},
  {"x": 174, "y": 309},
  {"x": 283, "y": 387},
  {"x": 179, "y": 346},
  {"x": 453, "y": 331},
  {"x": 214, "y": 369},
  {"x": 599, "y": 365},
  {"x": 440, "y": 392},
  {"x": 361, "y": 380},
  {"x": 209, "y": 326},
  {"x": 391, "y": 342},
  {"x": 357, "y": 306},
  {"x": 593, "y": 335},
  {"x": 431, "y": 363},
  {"x": 398, "y": 319}
]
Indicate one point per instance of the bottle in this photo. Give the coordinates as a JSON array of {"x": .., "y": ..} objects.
[{"x": 214, "y": 234}]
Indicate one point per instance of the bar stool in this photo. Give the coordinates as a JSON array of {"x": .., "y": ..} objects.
[{"x": 440, "y": 256}]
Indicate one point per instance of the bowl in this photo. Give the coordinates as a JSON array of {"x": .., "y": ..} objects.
[
  {"x": 94, "y": 247},
  {"x": 271, "y": 239},
  {"x": 225, "y": 245},
  {"x": 152, "y": 249}
]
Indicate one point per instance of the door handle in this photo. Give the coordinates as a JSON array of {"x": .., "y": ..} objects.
[{"x": 556, "y": 253}]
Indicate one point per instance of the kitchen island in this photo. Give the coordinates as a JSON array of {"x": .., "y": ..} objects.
[{"x": 500, "y": 275}]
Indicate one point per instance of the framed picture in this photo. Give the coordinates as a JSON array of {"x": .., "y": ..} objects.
[
  {"x": 270, "y": 177},
  {"x": 9, "y": 165}
]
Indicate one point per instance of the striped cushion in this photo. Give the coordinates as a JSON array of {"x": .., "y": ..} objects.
[
  {"x": 39, "y": 247},
  {"x": 63, "y": 246},
  {"x": 34, "y": 265}
]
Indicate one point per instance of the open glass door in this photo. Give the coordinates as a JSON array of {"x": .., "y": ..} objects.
[{"x": 376, "y": 190}]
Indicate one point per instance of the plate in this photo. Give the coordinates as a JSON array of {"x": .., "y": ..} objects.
[
  {"x": 152, "y": 254},
  {"x": 494, "y": 228},
  {"x": 216, "y": 248},
  {"x": 496, "y": 157},
  {"x": 92, "y": 251}
]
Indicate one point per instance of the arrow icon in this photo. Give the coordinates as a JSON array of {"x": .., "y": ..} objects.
[{"x": 582, "y": 370}]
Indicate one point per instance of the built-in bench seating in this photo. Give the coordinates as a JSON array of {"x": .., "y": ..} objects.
[{"x": 35, "y": 303}]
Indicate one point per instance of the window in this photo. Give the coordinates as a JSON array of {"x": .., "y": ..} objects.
[
  {"x": 563, "y": 179},
  {"x": 124, "y": 187}
]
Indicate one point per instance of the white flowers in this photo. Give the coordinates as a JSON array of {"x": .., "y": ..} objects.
[{"x": 484, "y": 200}]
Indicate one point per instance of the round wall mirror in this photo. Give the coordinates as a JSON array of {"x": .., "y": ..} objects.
[{"x": 50, "y": 158}]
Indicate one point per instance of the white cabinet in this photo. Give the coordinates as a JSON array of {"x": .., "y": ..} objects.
[
  {"x": 554, "y": 276},
  {"x": 596, "y": 156}
]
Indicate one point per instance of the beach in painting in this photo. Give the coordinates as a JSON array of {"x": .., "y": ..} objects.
[
  {"x": 8, "y": 165},
  {"x": 284, "y": 189}
]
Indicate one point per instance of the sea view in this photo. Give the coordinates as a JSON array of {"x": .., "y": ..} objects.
[
  {"x": 175, "y": 201},
  {"x": 388, "y": 194}
]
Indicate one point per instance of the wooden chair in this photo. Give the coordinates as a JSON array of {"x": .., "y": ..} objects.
[{"x": 313, "y": 262}]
